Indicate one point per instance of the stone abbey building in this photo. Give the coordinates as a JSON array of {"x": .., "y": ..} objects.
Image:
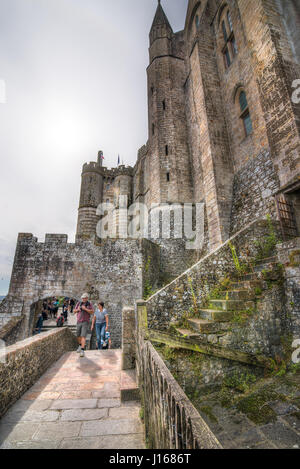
[{"x": 224, "y": 130}]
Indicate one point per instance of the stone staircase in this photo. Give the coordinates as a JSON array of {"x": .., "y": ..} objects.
[{"x": 239, "y": 299}]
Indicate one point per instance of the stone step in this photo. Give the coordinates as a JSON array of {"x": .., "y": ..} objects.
[
  {"x": 261, "y": 267},
  {"x": 238, "y": 294},
  {"x": 269, "y": 260},
  {"x": 206, "y": 326},
  {"x": 128, "y": 386},
  {"x": 247, "y": 285},
  {"x": 249, "y": 277},
  {"x": 232, "y": 305},
  {"x": 187, "y": 333},
  {"x": 216, "y": 315}
]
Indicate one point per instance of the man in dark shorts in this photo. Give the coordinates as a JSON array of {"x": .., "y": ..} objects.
[{"x": 84, "y": 311}]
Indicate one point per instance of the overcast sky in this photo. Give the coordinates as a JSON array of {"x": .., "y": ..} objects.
[{"x": 75, "y": 79}]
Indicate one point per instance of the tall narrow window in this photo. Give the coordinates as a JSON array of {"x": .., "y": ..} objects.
[
  {"x": 168, "y": 177},
  {"x": 197, "y": 22},
  {"x": 245, "y": 113},
  {"x": 153, "y": 129},
  {"x": 224, "y": 31},
  {"x": 227, "y": 58},
  {"x": 230, "y": 49},
  {"x": 167, "y": 150},
  {"x": 164, "y": 104},
  {"x": 229, "y": 21}
]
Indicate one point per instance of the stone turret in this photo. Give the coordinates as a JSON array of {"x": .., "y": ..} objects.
[
  {"x": 169, "y": 162},
  {"x": 160, "y": 35},
  {"x": 90, "y": 198}
]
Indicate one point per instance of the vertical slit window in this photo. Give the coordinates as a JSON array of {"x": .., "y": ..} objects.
[
  {"x": 245, "y": 114},
  {"x": 229, "y": 21}
]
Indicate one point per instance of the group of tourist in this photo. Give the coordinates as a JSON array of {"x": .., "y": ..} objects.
[{"x": 85, "y": 311}]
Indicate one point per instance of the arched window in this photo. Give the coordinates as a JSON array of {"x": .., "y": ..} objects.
[
  {"x": 229, "y": 49},
  {"x": 245, "y": 113}
]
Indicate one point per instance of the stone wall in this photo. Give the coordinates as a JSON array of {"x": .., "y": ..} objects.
[
  {"x": 265, "y": 328},
  {"x": 13, "y": 330},
  {"x": 173, "y": 301},
  {"x": 111, "y": 271},
  {"x": 289, "y": 255},
  {"x": 26, "y": 362},
  {"x": 171, "y": 420},
  {"x": 253, "y": 188}
]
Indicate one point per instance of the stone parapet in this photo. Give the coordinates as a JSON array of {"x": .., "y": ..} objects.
[{"x": 26, "y": 362}]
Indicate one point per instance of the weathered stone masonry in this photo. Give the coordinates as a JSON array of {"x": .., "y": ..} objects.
[{"x": 111, "y": 271}]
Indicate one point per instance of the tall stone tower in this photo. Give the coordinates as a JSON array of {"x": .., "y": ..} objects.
[
  {"x": 90, "y": 197},
  {"x": 169, "y": 162}
]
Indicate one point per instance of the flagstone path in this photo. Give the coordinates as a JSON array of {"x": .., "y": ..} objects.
[{"x": 75, "y": 405}]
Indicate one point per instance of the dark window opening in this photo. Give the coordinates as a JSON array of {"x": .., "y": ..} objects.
[
  {"x": 245, "y": 113},
  {"x": 164, "y": 104},
  {"x": 247, "y": 123},
  {"x": 227, "y": 58},
  {"x": 168, "y": 177},
  {"x": 167, "y": 150},
  {"x": 243, "y": 101},
  {"x": 230, "y": 49},
  {"x": 224, "y": 31},
  {"x": 234, "y": 46},
  {"x": 153, "y": 129},
  {"x": 152, "y": 90}
]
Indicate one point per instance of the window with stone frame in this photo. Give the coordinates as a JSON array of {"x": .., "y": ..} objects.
[
  {"x": 245, "y": 113},
  {"x": 229, "y": 49}
]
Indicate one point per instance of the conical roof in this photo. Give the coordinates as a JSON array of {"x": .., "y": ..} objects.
[{"x": 160, "y": 17}]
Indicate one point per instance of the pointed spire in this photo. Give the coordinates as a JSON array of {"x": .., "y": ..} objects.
[{"x": 160, "y": 18}]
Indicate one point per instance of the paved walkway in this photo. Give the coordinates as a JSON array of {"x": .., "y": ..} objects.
[{"x": 76, "y": 404}]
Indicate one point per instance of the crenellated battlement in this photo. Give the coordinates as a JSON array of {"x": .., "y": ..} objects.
[
  {"x": 93, "y": 166},
  {"x": 121, "y": 170}
]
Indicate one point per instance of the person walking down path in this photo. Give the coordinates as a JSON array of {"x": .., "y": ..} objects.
[
  {"x": 39, "y": 324},
  {"x": 100, "y": 319},
  {"x": 84, "y": 311}
]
